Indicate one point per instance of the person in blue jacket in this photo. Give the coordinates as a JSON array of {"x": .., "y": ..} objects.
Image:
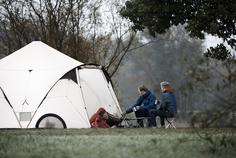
[
  {"x": 143, "y": 105},
  {"x": 167, "y": 105}
]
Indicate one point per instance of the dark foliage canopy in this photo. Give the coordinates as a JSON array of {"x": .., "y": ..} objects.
[{"x": 215, "y": 17}]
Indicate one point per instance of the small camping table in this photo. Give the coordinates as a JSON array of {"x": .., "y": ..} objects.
[{"x": 132, "y": 122}]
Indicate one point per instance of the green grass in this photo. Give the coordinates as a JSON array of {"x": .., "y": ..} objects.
[{"x": 117, "y": 143}]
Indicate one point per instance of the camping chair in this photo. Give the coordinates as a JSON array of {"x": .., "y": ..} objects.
[
  {"x": 170, "y": 122},
  {"x": 145, "y": 121}
]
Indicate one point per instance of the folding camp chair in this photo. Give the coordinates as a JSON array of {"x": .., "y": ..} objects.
[{"x": 171, "y": 122}]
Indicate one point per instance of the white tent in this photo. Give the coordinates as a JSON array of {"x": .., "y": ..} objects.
[{"x": 41, "y": 87}]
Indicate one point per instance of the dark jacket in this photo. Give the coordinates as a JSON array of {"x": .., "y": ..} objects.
[
  {"x": 168, "y": 102},
  {"x": 148, "y": 101}
]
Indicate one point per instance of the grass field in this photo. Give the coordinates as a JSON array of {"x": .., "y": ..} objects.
[{"x": 117, "y": 143}]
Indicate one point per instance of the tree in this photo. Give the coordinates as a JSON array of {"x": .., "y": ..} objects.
[
  {"x": 217, "y": 18},
  {"x": 168, "y": 57},
  {"x": 57, "y": 23},
  {"x": 217, "y": 80},
  {"x": 74, "y": 27}
]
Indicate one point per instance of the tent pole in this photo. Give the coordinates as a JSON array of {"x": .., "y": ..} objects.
[
  {"x": 79, "y": 84},
  {"x": 114, "y": 99},
  {"x": 40, "y": 104},
  {"x": 11, "y": 107}
]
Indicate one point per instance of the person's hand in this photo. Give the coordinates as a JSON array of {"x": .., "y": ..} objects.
[
  {"x": 136, "y": 108},
  {"x": 157, "y": 101}
]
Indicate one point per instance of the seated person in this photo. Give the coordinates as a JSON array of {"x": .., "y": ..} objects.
[
  {"x": 103, "y": 119},
  {"x": 143, "y": 105},
  {"x": 167, "y": 105}
]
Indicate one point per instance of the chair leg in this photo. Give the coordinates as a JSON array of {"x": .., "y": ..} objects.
[{"x": 171, "y": 123}]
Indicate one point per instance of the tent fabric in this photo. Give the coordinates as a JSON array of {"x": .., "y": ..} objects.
[
  {"x": 22, "y": 74},
  {"x": 33, "y": 80},
  {"x": 96, "y": 94},
  {"x": 7, "y": 116},
  {"x": 64, "y": 94}
]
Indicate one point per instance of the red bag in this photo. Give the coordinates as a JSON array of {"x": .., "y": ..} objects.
[{"x": 98, "y": 120}]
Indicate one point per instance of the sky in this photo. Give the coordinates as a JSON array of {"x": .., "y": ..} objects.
[{"x": 211, "y": 41}]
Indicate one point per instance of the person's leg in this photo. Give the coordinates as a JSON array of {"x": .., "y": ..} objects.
[
  {"x": 153, "y": 114},
  {"x": 139, "y": 121},
  {"x": 170, "y": 114},
  {"x": 162, "y": 116},
  {"x": 162, "y": 119},
  {"x": 147, "y": 115}
]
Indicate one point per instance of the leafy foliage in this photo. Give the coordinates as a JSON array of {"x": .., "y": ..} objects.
[
  {"x": 219, "y": 52},
  {"x": 168, "y": 57},
  {"x": 217, "y": 18},
  {"x": 217, "y": 81}
]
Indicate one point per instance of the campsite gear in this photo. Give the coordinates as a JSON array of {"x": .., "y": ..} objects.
[
  {"x": 114, "y": 120},
  {"x": 41, "y": 87},
  {"x": 98, "y": 120},
  {"x": 133, "y": 122}
]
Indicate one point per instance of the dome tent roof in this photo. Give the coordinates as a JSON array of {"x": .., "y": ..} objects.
[{"x": 29, "y": 73}]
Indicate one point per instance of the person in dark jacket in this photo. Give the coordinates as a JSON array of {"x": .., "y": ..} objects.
[
  {"x": 167, "y": 105},
  {"x": 143, "y": 105}
]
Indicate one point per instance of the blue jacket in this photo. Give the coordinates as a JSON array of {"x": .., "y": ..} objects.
[
  {"x": 168, "y": 102},
  {"x": 148, "y": 101}
]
